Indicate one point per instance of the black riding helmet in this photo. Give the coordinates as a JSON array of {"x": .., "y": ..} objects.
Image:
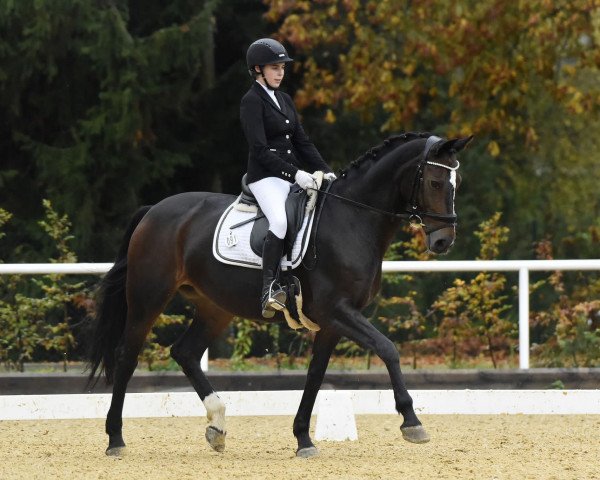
[{"x": 266, "y": 51}]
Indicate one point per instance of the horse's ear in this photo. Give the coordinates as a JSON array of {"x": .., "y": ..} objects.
[
  {"x": 455, "y": 144},
  {"x": 462, "y": 143}
]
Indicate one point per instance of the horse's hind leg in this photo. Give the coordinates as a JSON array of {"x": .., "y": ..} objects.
[
  {"x": 209, "y": 320},
  {"x": 144, "y": 305}
]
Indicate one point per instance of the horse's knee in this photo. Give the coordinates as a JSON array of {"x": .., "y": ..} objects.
[{"x": 389, "y": 353}]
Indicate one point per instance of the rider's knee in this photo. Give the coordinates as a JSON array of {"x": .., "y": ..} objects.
[{"x": 278, "y": 227}]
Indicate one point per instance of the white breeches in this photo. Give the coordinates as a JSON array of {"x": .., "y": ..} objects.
[{"x": 271, "y": 193}]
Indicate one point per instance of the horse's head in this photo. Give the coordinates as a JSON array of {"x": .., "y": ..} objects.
[
  {"x": 433, "y": 190},
  {"x": 424, "y": 178}
]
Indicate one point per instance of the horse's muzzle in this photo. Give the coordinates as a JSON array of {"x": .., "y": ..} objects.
[{"x": 440, "y": 241}]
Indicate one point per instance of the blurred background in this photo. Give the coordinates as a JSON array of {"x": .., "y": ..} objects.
[{"x": 107, "y": 105}]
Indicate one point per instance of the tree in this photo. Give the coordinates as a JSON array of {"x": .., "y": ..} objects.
[
  {"x": 472, "y": 63},
  {"x": 97, "y": 103},
  {"x": 522, "y": 76}
]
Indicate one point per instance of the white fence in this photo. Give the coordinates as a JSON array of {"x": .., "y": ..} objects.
[
  {"x": 521, "y": 266},
  {"x": 285, "y": 402}
]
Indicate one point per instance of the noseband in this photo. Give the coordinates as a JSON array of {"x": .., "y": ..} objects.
[{"x": 413, "y": 214}]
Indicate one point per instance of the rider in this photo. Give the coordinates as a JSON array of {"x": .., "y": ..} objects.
[{"x": 280, "y": 152}]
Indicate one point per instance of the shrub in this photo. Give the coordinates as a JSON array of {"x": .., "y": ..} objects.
[
  {"x": 571, "y": 324},
  {"x": 474, "y": 313},
  {"x": 36, "y": 312}
]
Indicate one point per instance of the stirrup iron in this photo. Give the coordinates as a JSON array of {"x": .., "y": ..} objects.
[{"x": 274, "y": 301}]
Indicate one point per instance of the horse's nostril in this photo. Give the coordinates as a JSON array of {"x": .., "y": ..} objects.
[{"x": 441, "y": 245}]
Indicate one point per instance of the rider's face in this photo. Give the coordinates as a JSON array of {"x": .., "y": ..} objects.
[{"x": 274, "y": 74}]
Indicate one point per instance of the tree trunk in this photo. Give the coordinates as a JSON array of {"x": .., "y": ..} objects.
[{"x": 490, "y": 346}]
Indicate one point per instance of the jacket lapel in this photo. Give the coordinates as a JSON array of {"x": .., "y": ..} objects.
[
  {"x": 265, "y": 96},
  {"x": 284, "y": 108}
]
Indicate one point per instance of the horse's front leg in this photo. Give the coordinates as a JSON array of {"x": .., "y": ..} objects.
[
  {"x": 352, "y": 324},
  {"x": 325, "y": 341}
]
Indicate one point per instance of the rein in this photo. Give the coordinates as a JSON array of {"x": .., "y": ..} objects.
[
  {"x": 412, "y": 215},
  {"x": 402, "y": 216}
]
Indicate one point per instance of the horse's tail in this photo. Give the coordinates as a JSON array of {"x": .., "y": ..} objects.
[{"x": 111, "y": 311}]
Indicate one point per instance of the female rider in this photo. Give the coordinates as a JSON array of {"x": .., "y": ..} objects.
[{"x": 280, "y": 153}]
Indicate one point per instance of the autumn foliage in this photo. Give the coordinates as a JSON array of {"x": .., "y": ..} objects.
[{"x": 477, "y": 66}]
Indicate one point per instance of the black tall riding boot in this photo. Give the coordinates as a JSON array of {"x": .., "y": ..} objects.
[{"x": 273, "y": 296}]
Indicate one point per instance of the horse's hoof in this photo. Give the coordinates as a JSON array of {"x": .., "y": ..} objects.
[
  {"x": 116, "y": 451},
  {"x": 416, "y": 434},
  {"x": 307, "y": 452},
  {"x": 215, "y": 438}
]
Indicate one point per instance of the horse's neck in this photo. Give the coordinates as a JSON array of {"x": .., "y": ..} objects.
[
  {"x": 377, "y": 183},
  {"x": 375, "y": 188}
]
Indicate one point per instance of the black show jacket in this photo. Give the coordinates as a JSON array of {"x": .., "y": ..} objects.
[{"x": 278, "y": 144}]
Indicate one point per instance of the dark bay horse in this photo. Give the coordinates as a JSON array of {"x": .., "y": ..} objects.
[{"x": 167, "y": 249}]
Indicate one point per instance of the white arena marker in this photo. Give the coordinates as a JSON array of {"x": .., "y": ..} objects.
[
  {"x": 335, "y": 416},
  {"x": 204, "y": 361}
]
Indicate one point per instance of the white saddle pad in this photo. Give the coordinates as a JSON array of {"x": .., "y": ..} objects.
[{"x": 232, "y": 246}]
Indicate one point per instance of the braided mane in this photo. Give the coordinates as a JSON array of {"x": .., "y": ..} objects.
[{"x": 388, "y": 144}]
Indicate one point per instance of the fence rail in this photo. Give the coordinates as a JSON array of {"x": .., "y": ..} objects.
[{"x": 521, "y": 266}]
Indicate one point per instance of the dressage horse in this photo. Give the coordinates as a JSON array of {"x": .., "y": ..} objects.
[{"x": 167, "y": 250}]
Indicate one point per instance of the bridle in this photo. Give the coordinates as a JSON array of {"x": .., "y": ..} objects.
[
  {"x": 413, "y": 213},
  {"x": 416, "y": 215}
]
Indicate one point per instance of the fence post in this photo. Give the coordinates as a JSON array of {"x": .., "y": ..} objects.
[{"x": 524, "y": 318}]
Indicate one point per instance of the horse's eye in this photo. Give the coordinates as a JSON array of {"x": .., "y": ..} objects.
[{"x": 436, "y": 185}]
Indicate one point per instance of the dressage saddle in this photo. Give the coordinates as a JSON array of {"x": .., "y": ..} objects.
[{"x": 295, "y": 209}]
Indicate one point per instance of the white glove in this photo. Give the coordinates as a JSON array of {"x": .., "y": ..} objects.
[
  {"x": 329, "y": 176},
  {"x": 304, "y": 179}
]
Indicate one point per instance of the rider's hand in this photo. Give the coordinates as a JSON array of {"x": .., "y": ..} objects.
[
  {"x": 329, "y": 176},
  {"x": 304, "y": 179}
]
